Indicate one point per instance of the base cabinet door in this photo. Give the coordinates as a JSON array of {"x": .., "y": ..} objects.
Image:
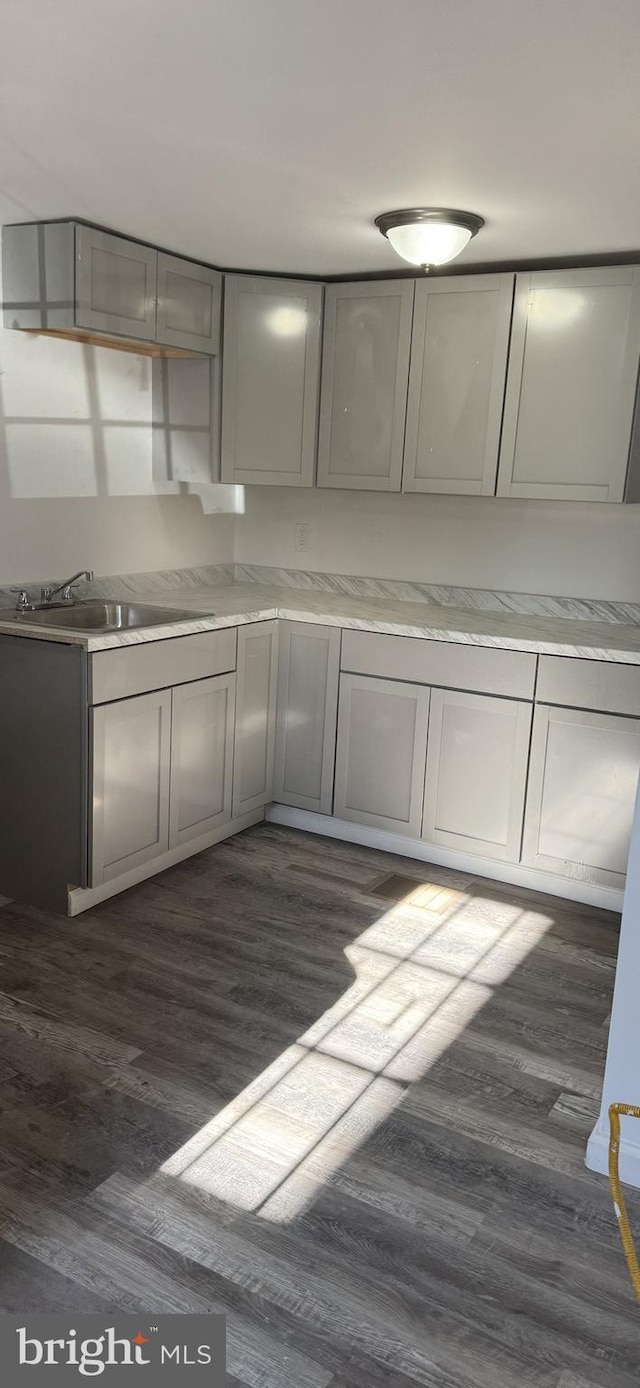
[
  {"x": 582, "y": 787},
  {"x": 380, "y": 754},
  {"x": 477, "y": 755},
  {"x": 131, "y": 763},
  {"x": 309, "y": 663},
  {"x": 255, "y": 716},
  {"x": 201, "y": 757}
]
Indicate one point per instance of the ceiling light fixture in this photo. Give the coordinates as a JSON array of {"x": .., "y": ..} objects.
[{"x": 429, "y": 236}]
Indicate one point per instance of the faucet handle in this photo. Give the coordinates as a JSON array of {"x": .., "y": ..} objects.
[{"x": 24, "y": 600}]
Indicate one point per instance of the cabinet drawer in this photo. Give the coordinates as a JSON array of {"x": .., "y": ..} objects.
[
  {"x": 594, "y": 684},
  {"x": 444, "y": 663},
  {"x": 127, "y": 670}
]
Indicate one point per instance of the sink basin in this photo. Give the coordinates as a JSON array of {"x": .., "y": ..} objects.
[{"x": 95, "y": 615}]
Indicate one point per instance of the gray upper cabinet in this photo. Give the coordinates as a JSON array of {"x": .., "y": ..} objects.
[
  {"x": 115, "y": 284},
  {"x": 189, "y": 298},
  {"x": 365, "y": 370},
  {"x": 456, "y": 385},
  {"x": 68, "y": 278},
  {"x": 571, "y": 385},
  {"x": 270, "y": 380}
]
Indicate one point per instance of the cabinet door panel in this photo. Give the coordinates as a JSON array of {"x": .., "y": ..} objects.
[
  {"x": 456, "y": 385},
  {"x": 270, "y": 380},
  {"x": 131, "y": 753},
  {"x": 188, "y": 304},
  {"x": 307, "y": 714},
  {"x": 380, "y": 755},
  {"x": 476, "y": 773},
  {"x": 582, "y": 786},
  {"x": 365, "y": 368},
  {"x": 571, "y": 384},
  {"x": 115, "y": 284},
  {"x": 201, "y": 757},
  {"x": 255, "y": 716}
]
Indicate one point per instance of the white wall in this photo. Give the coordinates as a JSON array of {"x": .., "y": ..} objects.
[
  {"x": 570, "y": 549},
  {"x": 622, "y": 1075},
  {"x": 76, "y": 485}
]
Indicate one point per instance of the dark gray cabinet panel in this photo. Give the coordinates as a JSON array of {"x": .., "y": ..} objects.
[{"x": 43, "y": 770}]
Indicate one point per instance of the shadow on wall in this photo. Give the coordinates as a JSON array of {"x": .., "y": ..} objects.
[{"x": 84, "y": 421}]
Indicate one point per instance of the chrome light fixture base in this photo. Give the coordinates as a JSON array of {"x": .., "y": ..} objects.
[{"x": 421, "y": 233}]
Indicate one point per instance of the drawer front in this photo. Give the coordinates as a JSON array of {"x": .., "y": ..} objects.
[
  {"x": 483, "y": 668},
  {"x": 128, "y": 670},
  {"x": 593, "y": 684}
]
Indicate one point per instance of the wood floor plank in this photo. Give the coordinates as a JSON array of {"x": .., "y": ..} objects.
[{"x": 353, "y": 1123}]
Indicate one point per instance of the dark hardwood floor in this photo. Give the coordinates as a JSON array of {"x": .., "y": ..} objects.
[{"x": 340, "y": 1095}]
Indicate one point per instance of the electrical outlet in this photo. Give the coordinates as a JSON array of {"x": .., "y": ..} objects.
[{"x": 301, "y": 536}]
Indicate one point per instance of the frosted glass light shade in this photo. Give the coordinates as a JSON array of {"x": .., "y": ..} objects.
[
  {"x": 428, "y": 236},
  {"x": 429, "y": 243}
]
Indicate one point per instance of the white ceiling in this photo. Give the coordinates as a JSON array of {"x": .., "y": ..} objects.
[{"x": 268, "y": 134}]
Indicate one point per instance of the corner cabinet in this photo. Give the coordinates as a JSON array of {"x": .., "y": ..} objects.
[
  {"x": 456, "y": 385},
  {"x": 381, "y": 753},
  {"x": 365, "y": 369},
  {"x": 255, "y": 716},
  {"x": 270, "y": 380},
  {"x": 308, "y": 677},
  {"x": 571, "y": 386}
]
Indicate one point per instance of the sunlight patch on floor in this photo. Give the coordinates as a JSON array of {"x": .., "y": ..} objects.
[{"x": 423, "y": 971}]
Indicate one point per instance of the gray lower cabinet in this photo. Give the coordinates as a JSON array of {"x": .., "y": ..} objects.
[
  {"x": 381, "y": 753},
  {"x": 477, "y": 755},
  {"x": 308, "y": 676},
  {"x": 456, "y": 385},
  {"x": 189, "y": 298},
  {"x": 116, "y": 284},
  {"x": 270, "y": 380},
  {"x": 581, "y": 794},
  {"x": 255, "y": 716},
  {"x": 365, "y": 369},
  {"x": 571, "y": 387},
  {"x": 202, "y": 727},
  {"x": 131, "y": 767}
]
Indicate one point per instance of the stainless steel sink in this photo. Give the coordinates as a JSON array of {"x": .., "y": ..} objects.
[{"x": 94, "y": 615}]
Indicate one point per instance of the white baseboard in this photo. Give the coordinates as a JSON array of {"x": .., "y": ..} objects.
[
  {"x": 597, "y": 1156},
  {"x": 82, "y": 898},
  {"x": 592, "y": 895}
]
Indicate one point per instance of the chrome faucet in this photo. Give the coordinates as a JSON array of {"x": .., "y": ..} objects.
[{"x": 64, "y": 589}]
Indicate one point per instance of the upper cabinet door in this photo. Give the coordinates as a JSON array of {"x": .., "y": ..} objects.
[
  {"x": 270, "y": 380},
  {"x": 456, "y": 384},
  {"x": 115, "y": 284},
  {"x": 571, "y": 385},
  {"x": 365, "y": 369},
  {"x": 188, "y": 304}
]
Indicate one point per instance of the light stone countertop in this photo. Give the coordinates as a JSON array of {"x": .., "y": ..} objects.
[{"x": 234, "y": 604}]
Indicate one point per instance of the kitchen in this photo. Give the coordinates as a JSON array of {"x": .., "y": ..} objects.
[{"x": 320, "y": 650}]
